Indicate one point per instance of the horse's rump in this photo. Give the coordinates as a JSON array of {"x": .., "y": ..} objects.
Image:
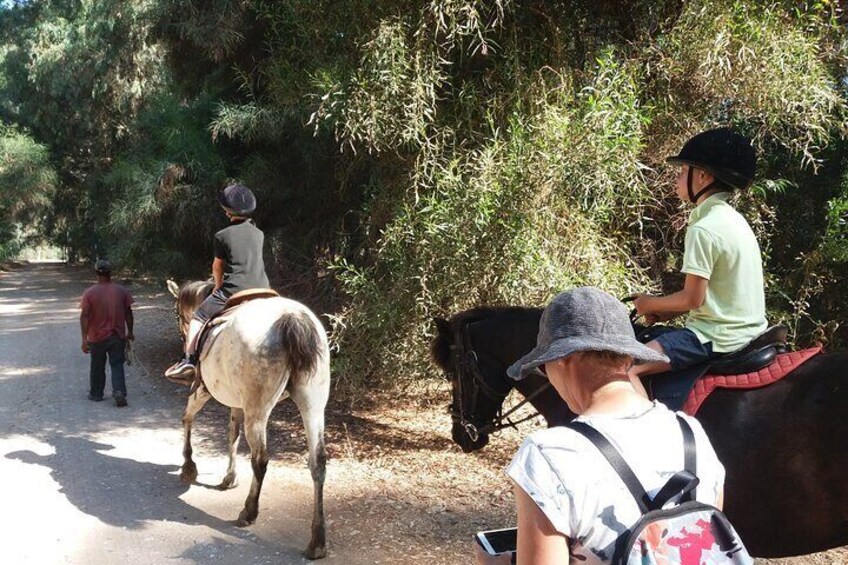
[{"x": 298, "y": 335}]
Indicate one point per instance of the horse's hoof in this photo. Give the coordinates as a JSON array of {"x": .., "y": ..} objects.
[
  {"x": 244, "y": 520},
  {"x": 228, "y": 483},
  {"x": 316, "y": 552},
  {"x": 188, "y": 475}
]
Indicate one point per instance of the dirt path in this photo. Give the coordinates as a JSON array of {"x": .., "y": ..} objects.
[{"x": 90, "y": 483}]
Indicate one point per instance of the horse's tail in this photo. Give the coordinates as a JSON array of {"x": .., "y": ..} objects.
[{"x": 300, "y": 339}]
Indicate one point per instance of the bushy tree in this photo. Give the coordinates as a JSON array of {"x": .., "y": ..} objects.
[
  {"x": 414, "y": 158},
  {"x": 27, "y": 186}
]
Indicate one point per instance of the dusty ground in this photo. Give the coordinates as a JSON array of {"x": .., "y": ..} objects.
[{"x": 94, "y": 484}]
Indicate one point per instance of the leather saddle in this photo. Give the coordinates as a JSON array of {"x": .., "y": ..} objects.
[
  {"x": 232, "y": 304},
  {"x": 673, "y": 387},
  {"x": 207, "y": 331}
]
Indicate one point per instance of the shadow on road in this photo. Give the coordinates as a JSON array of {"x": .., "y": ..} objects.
[
  {"x": 121, "y": 492},
  {"x": 130, "y": 494}
]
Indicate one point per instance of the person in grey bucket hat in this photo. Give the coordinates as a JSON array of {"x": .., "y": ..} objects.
[
  {"x": 583, "y": 319},
  {"x": 572, "y": 506}
]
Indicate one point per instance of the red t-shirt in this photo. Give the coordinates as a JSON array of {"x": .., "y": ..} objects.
[{"x": 106, "y": 305}]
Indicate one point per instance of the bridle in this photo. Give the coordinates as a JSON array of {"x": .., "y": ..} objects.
[
  {"x": 178, "y": 314},
  {"x": 472, "y": 385},
  {"x": 181, "y": 316}
]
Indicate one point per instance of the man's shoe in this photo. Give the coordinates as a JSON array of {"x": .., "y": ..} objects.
[
  {"x": 120, "y": 400},
  {"x": 181, "y": 371},
  {"x": 95, "y": 398}
]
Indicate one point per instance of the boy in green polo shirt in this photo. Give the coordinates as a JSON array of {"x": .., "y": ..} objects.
[{"x": 723, "y": 293}]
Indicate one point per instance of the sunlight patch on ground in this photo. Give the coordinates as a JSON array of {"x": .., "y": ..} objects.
[
  {"x": 24, "y": 371},
  {"x": 160, "y": 446},
  {"x": 14, "y": 308},
  {"x": 19, "y": 442},
  {"x": 38, "y": 536}
]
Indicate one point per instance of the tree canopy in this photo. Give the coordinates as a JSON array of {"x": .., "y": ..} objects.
[{"x": 412, "y": 158}]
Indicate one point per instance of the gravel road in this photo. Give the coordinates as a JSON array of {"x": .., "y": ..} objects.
[{"x": 90, "y": 483}]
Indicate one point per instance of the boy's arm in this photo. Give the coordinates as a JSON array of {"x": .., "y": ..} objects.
[
  {"x": 218, "y": 272},
  {"x": 691, "y": 297}
]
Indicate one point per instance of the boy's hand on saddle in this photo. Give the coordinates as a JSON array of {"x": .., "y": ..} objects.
[{"x": 642, "y": 303}]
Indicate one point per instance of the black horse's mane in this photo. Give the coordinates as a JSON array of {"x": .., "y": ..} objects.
[{"x": 449, "y": 328}]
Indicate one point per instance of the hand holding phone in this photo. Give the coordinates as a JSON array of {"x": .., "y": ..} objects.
[{"x": 500, "y": 545}]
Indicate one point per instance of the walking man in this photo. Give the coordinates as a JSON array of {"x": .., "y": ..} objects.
[{"x": 106, "y": 322}]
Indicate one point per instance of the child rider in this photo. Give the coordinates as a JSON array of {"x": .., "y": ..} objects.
[
  {"x": 238, "y": 265},
  {"x": 723, "y": 292}
]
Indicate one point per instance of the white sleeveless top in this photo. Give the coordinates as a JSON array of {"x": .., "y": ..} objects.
[{"x": 582, "y": 495}]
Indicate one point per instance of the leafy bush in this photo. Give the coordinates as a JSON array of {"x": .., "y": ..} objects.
[{"x": 27, "y": 185}]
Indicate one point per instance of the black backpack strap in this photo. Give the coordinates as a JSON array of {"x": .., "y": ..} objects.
[
  {"x": 690, "y": 458},
  {"x": 676, "y": 490},
  {"x": 617, "y": 461}
]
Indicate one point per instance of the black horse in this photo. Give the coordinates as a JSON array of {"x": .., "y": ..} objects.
[{"x": 784, "y": 446}]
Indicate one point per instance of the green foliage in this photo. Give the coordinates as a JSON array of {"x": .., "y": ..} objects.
[
  {"x": 27, "y": 185},
  {"x": 161, "y": 191},
  {"x": 835, "y": 244},
  {"x": 548, "y": 187},
  {"x": 766, "y": 66},
  {"x": 415, "y": 158},
  {"x": 75, "y": 75}
]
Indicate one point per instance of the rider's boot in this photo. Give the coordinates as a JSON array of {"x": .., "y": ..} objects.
[{"x": 183, "y": 369}]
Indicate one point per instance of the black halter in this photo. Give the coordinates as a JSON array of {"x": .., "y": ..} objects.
[{"x": 468, "y": 374}]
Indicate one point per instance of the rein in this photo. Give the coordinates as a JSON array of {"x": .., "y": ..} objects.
[{"x": 468, "y": 374}]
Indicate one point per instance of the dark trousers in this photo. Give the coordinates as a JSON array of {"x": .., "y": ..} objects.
[{"x": 114, "y": 348}]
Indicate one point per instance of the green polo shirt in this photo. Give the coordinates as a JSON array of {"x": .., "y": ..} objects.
[{"x": 722, "y": 248}]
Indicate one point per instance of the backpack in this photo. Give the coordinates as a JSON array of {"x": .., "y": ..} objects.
[{"x": 688, "y": 533}]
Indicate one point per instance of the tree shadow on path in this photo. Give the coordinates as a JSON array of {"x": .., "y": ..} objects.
[{"x": 120, "y": 492}]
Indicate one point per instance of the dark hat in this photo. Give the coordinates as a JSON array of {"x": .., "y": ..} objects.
[
  {"x": 583, "y": 319},
  {"x": 725, "y": 154},
  {"x": 238, "y": 200},
  {"x": 103, "y": 266}
]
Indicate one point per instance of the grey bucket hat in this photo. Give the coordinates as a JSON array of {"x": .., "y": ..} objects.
[{"x": 583, "y": 319}]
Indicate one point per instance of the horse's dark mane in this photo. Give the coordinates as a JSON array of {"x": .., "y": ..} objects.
[
  {"x": 448, "y": 329},
  {"x": 484, "y": 312}
]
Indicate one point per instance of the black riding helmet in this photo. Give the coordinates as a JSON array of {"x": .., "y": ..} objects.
[
  {"x": 238, "y": 200},
  {"x": 725, "y": 154}
]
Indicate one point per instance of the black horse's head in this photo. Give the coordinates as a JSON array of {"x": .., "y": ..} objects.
[{"x": 474, "y": 351}]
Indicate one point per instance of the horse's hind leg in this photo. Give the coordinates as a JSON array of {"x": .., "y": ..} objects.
[
  {"x": 311, "y": 404},
  {"x": 255, "y": 433},
  {"x": 196, "y": 401},
  {"x": 233, "y": 435}
]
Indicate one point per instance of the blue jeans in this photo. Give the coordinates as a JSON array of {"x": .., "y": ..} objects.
[
  {"x": 681, "y": 345},
  {"x": 113, "y": 347}
]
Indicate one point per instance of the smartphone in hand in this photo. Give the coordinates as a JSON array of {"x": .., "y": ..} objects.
[{"x": 498, "y": 542}]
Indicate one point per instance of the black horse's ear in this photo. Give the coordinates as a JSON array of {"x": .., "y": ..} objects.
[{"x": 443, "y": 326}]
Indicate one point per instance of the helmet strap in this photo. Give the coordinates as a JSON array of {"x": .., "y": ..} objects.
[
  {"x": 692, "y": 196},
  {"x": 689, "y": 184}
]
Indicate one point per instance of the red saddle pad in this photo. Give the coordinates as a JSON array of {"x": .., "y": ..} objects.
[{"x": 783, "y": 364}]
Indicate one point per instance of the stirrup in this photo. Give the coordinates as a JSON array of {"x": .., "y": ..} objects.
[{"x": 182, "y": 371}]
